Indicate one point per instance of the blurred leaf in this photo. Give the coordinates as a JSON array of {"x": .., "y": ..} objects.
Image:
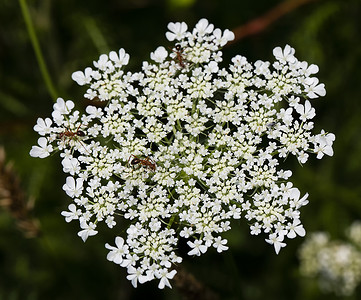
[
  {"x": 180, "y": 3},
  {"x": 307, "y": 35},
  {"x": 11, "y": 104},
  {"x": 95, "y": 34}
]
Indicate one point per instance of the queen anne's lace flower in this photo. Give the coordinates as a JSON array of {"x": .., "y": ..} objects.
[
  {"x": 183, "y": 147},
  {"x": 335, "y": 263},
  {"x": 43, "y": 151},
  {"x": 177, "y": 31}
]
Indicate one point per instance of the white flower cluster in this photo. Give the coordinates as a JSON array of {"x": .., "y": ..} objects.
[
  {"x": 337, "y": 264},
  {"x": 184, "y": 146}
]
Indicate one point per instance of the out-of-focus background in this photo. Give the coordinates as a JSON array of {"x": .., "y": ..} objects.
[{"x": 41, "y": 257}]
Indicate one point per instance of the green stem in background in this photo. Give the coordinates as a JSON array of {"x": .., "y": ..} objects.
[
  {"x": 95, "y": 34},
  {"x": 39, "y": 56}
]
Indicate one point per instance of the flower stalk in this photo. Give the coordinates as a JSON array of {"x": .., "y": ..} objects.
[{"x": 37, "y": 49}]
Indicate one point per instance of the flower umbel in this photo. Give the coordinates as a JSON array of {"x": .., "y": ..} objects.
[
  {"x": 335, "y": 263},
  {"x": 183, "y": 147}
]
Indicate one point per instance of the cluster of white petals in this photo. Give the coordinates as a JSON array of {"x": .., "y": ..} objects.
[
  {"x": 336, "y": 264},
  {"x": 184, "y": 146}
]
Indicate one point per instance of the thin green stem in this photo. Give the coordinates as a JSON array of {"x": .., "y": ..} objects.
[
  {"x": 96, "y": 35},
  {"x": 37, "y": 50}
]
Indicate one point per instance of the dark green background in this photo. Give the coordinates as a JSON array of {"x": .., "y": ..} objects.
[{"x": 58, "y": 265}]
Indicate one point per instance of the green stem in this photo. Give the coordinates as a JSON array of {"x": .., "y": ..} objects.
[
  {"x": 171, "y": 221},
  {"x": 96, "y": 35},
  {"x": 37, "y": 50}
]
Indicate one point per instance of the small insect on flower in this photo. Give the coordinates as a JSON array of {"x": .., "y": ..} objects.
[
  {"x": 67, "y": 133},
  {"x": 71, "y": 137},
  {"x": 271, "y": 125},
  {"x": 179, "y": 58},
  {"x": 146, "y": 162},
  {"x": 71, "y": 134}
]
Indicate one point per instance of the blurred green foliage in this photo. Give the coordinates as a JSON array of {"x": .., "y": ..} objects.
[{"x": 57, "y": 265}]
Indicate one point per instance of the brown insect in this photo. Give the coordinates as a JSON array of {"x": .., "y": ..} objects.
[
  {"x": 146, "y": 162},
  {"x": 71, "y": 134},
  {"x": 68, "y": 135},
  {"x": 179, "y": 58}
]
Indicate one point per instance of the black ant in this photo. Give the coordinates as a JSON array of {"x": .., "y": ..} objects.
[{"x": 146, "y": 162}]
